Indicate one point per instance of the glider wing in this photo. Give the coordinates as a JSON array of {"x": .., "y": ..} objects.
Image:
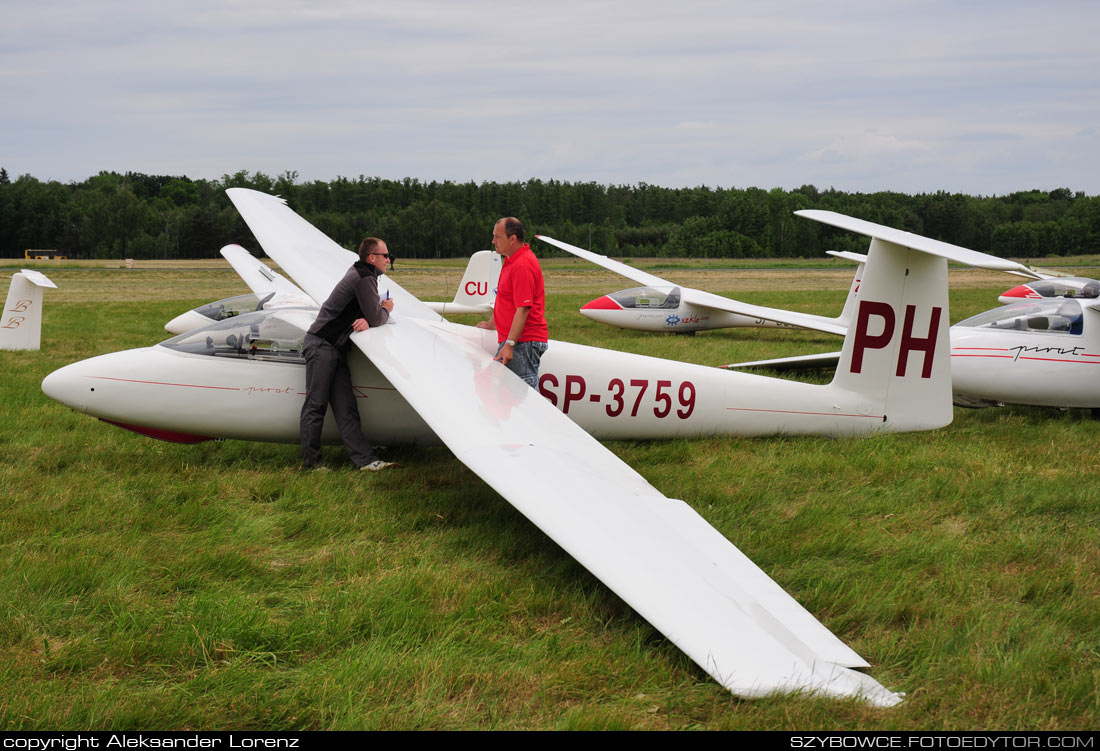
[
  {"x": 656, "y": 553},
  {"x": 258, "y": 275}
]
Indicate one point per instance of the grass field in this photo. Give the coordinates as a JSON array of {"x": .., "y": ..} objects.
[{"x": 152, "y": 585}]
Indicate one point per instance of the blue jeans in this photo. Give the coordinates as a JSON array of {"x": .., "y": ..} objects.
[{"x": 525, "y": 360}]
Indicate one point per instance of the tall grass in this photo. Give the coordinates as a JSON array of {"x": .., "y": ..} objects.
[{"x": 151, "y": 585}]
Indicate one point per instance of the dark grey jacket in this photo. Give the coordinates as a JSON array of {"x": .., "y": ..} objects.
[{"x": 354, "y": 296}]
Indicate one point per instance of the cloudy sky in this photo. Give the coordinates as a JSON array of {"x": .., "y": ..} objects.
[{"x": 862, "y": 95}]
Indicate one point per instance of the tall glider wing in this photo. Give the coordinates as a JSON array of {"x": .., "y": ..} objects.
[
  {"x": 309, "y": 256},
  {"x": 656, "y": 553},
  {"x": 261, "y": 279}
]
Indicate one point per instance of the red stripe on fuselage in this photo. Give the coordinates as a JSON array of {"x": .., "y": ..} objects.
[
  {"x": 796, "y": 412},
  {"x": 165, "y": 383}
]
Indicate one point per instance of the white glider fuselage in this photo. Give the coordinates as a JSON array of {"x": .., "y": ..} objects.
[
  {"x": 1044, "y": 353},
  {"x": 630, "y": 309},
  {"x": 612, "y": 395}
]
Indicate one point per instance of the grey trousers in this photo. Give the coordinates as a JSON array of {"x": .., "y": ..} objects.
[{"x": 328, "y": 382}]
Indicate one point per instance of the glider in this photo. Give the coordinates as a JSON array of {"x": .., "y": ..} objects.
[
  {"x": 21, "y": 326},
  {"x": 423, "y": 379},
  {"x": 661, "y": 305}
]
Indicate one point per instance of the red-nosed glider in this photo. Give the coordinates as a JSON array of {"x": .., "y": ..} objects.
[{"x": 661, "y": 305}]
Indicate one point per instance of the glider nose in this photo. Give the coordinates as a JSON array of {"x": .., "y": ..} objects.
[
  {"x": 602, "y": 303},
  {"x": 1022, "y": 292},
  {"x": 69, "y": 386},
  {"x": 185, "y": 322},
  {"x": 598, "y": 309}
]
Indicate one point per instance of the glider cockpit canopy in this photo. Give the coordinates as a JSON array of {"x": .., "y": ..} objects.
[
  {"x": 230, "y": 307},
  {"x": 648, "y": 297},
  {"x": 1055, "y": 315},
  {"x": 1062, "y": 286},
  {"x": 269, "y": 335}
]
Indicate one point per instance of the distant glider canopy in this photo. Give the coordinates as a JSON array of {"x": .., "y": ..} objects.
[
  {"x": 1060, "y": 287},
  {"x": 649, "y": 298}
]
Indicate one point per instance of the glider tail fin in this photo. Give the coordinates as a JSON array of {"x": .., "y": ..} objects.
[
  {"x": 479, "y": 283},
  {"x": 896, "y": 353},
  {"x": 21, "y": 325},
  {"x": 847, "y": 315}
]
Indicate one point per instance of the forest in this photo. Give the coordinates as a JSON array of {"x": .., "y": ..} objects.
[{"x": 133, "y": 215}]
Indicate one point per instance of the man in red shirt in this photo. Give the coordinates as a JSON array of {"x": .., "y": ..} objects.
[{"x": 519, "y": 314}]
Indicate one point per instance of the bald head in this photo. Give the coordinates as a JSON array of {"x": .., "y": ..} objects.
[{"x": 508, "y": 235}]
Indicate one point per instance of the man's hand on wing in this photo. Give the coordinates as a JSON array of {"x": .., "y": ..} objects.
[{"x": 505, "y": 355}]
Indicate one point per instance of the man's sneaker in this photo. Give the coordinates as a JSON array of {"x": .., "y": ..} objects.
[{"x": 377, "y": 465}]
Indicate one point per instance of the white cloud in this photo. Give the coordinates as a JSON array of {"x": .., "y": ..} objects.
[{"x": 978, "y": 97}]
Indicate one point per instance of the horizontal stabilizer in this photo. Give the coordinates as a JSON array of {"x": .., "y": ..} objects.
[
  {"x": 914, "y": 242},
  {"x": 798, "y": 362},
  {"x": 848, "y": 255},
  {"x": 37, "y": 278}
]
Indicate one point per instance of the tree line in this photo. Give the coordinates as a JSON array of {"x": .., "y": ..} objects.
[{"x": 134, "y": 215}]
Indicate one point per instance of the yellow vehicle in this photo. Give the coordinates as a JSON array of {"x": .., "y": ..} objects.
[{"x": 43, "y": 255}]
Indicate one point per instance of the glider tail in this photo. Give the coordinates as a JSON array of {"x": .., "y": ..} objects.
[
  {"x": 479, "y": 283},
  {"x": 21, "y": 325},
  {"x": 847, "y": 315},
  {"x": 478, "y": 289},
  {"x": 896, "y": 354}
]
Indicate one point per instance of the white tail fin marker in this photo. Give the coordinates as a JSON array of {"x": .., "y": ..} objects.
[
  {"x": 21, "y": 326},
  {"x": 478, "y": 289}
]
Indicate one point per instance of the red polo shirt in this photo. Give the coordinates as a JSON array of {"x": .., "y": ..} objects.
[{"x": 520, "y": 286}]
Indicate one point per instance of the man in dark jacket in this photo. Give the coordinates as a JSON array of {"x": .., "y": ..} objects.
[{"x": 353, "y": 305}]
